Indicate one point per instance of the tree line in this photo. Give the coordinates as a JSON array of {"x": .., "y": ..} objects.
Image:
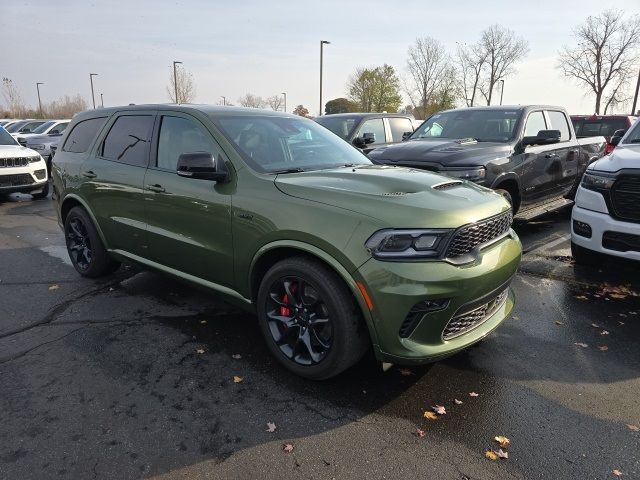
[{"x": 15, "y": 107}]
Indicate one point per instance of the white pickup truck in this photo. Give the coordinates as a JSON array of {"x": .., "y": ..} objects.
[
  {"x": 606, "y": 215},
  {"x": 21, "y": 169}
]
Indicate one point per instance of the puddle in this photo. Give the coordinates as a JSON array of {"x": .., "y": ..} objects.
[{"x": 59, "y": 252}]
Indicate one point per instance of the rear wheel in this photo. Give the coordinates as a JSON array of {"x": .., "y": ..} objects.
[
  {"x": 309, "y": 319},
  {"x": 87, "y": 253},
  {"x": 584, "y": 256}
]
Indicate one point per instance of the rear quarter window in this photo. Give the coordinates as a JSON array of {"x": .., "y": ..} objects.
[{"x": 82, "y": 135}]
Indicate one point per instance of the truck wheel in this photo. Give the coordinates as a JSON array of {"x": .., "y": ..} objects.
[
  {"x": 584, "y": 256},
  {"x": 506, "y": 195},
  {"x": 87, "y": 253},
  {"x": 309, "y": 319}
]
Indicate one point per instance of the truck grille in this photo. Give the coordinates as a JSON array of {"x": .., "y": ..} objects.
[
  {"x": 625, "y": 198},
  {"x": 15, "y": 180},
  {"x": 463, "y": 322},
  {"x": 470, "y": 236},
  {"x": 14, "y": 162}
]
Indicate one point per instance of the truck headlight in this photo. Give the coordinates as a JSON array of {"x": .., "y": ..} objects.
[
  {"x": 37, "y": 147},
  {"x": 474, "y": 174},
  {"x": 392, "y": 244},
  {"x": 597, "y": 181},
  {"x": 35, "y": 159}
]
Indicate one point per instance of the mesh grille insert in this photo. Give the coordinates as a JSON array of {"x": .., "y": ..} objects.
[
  {"x": 461, "y": 323},
  {"x": 469, "y": 237}
]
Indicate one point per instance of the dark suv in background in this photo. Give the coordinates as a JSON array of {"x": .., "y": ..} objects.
[{"x": 367, "y": 131}]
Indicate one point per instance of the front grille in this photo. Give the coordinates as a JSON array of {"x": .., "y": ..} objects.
[
  {"x": 14, "y": 162},
  {"x": 463, "y": 322},
  {"x": 15, "y": 180},
  {"x": 470, "y": 236},
  {"x": 621, "y": 242},
  {"x": 625, "y": 198}
]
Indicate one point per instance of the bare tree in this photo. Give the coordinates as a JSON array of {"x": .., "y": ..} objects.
[
  {"x": 605, "y": 53},
  {"x": 186, "y": 87},
  {"x": 502, "y": 49},
  {"x": 430, "y": 73},
  {"x": 618, "y": 96},
  {"x": 65, "y": 107},
  {"x": 275, "y": 102},
  {"x": 12, "y": 96},
  {"x": 252, "y": 101},
  {"x": 471, "y": 62}
]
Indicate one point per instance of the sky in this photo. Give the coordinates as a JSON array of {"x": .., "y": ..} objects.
[{"x": 266, "y": 48}]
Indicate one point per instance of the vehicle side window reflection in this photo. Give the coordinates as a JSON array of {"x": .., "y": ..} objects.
[
  {"x": 180, "y": 135},
  {"x": 535, "y": 123},
  {"x": 127, "y": 140},
  {"x": 374, "y": 126}
]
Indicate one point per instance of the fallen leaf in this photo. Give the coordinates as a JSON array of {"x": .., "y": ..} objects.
[
  {"x": 502, "y": 454},
  {"x": 558, "y": 322},
  {"x": 271, "y": 427},
  {"x": 622, "y": 315},
  {"x": 504, "y": 442},
  {"x": 491, "y": 455},
  {"x": 633, "y": 313},
  {"x": 603, "y": 348},
  {"x": 430, "y": 416},
  {"x": 200, "y": 350},
  {"x": 237, "y": 379},
  {"x": 604, "y": 332},
  {"x": 595, "y": 325},
  {"x": 617, "y": 473},
  {"x": 405, "y": 372},
  {"x": 516, "y": 317},
  {"x": 633, "y": 428},
  {"x": 580, "y": 344},
  {"x": 618, "y": 296},
  {"x": 236, "y": 356},
  {"x": 457, "y": 402},
  {"x": 474, "y": 394},
  {"x": 54, "y": 287},
  {"x": 582, "y": 297},
  {"x": 620, "y": 323},
  {"x": 439, "y": 409},
  {"x": 420, "y": 433},
  {"x": 203, "y": 321},
  {"x": 288, "y": 447}
]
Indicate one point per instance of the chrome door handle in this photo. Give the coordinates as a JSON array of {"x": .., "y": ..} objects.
[
  {"x": 155, "y": 188},
  {"x": 89, "y": 174}
]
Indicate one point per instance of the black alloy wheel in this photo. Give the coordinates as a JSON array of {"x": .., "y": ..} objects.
[{"x": 79, "y": 244}]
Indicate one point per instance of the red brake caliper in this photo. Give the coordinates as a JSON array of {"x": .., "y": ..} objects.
[{"x": 285, "y": 311}]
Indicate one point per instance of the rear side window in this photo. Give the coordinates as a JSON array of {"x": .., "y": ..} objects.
[
  {"x": 128, "y": 139},
  {"x": 398, "y": 127},
  {"x": 559, "y": 122},
  {"x": 82, "y": 135}
]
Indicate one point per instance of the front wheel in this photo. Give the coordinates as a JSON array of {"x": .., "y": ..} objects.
[{"x": 309, "y": 319}]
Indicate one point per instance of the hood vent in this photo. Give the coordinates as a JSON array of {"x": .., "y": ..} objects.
[{"x": 447, "y": 185}]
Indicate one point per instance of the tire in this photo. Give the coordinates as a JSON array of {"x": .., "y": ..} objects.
[
  {"x": 85, "y": 248},
  {"x": 307, "y": 347},
  {"x": 506, "y": 195},
  {"x": 584, "y": 256},
  {"x": 43, "y": 194}
]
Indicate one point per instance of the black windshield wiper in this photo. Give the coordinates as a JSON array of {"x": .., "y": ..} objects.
[{"x": 288, "y": 170}]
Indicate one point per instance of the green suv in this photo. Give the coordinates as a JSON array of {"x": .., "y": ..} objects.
[{"x": 335, "y": 255}]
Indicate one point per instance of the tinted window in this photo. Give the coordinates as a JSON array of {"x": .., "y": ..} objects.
[
  {"x": 128, "y": 139},
  {"x": 535, "y": 123},
  {"x": 43, "y": 127},
  {"x": 61, "y": 127},
  {"x": 341, "y": 126},
  {"x": 375, "y": 126},
  {"x": 398, "y": 127},
  {"x": 178, "y": 136},
  {"x": 559, "y": 122},
  {"x": 483, "y": 125},
  {"x": 634, "y": 135},
  {"x": 595, "y": 127},
  {"x": 29, "y": 127},
  {"x": 6, "y": 138},
  {"x": 82, "y": 135}
]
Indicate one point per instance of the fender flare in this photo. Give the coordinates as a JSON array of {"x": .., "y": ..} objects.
[{"x": 73, "y": 196}]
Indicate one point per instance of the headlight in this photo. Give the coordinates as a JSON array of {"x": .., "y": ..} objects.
[
  {"x": 35, "y": 159},
  {"x": 597, "y": 181},
  {"x": 473, "y": 174},
  {"x": 407, "y": 244},
  {"x": 36, "y": 147}
]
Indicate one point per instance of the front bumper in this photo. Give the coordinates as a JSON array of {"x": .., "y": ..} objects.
[
  {"x": 396, "y": 287},
  {"x": 29, "y": 178}
]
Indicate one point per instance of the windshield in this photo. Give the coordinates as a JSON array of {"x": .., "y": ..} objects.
[
  {"x": 6, "y": 138},
  {"x": 341, "y": 126},
  {"x": 482, "y": 125},
  {"x": 272, "y": 144},
  {"x": 43, "y": 128},
  {"x": 633, "y": 136},
  {"x": 14, "y": 127}
]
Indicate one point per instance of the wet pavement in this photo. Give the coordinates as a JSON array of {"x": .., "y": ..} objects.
[{"x": 104, "y": 379}]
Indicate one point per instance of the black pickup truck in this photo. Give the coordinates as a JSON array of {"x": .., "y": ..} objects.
[{"x": 530, "y": 153}]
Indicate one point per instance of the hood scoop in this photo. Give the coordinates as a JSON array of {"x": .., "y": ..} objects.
[
  {"x": 395, "y": 194},
  {"x": 447, "y": 185}
]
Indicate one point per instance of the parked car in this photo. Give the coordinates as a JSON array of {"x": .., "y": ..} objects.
[
  {"x": 335, "y": 255},
  {"x": 21, "y": 169},
  {"x": 23, "y": 126},
  {"x": 605, "y": 125},
  {"x": 606, "y": 217},
  {"x": 529, "y": 154},
  {"x": 45, "y": 146},
  {"x": 6, "y": 121},
  {"x": 52, "y": 127},
  {"x": 367, "y": 131}
]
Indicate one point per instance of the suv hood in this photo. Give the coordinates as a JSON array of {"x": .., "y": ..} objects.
[
  {"x": 398, "y": 197},
  {"x": 447, "y": 152},
  {"x": 10, "y": 151},
  {"x": 624, "y": 156}
]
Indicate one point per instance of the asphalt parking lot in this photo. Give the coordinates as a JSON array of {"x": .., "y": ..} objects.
[{"x": 133, "y": 376}]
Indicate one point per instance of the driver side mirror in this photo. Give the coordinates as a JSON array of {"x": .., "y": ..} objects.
[
  {"x": 25, "y": 130},
  {"x": 369, "y": 138},
  {"x": 617, "y": 136},
  {"x": 544, "y": 137},
  {"x": 202, "y": 166},
  {"x": 54, "y": 132}
]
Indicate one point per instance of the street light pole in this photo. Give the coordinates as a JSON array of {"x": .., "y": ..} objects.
[
  {"x": 635, "y": 97},
  {"x": 102, "y": 100},
  {"x": 224, "y": 100},
  {"x": 175, "y": 79},
  {"x": 322, "y": 44},
  {"x": 93, "y": 97},
  {"x": 39, "y": 102},
  {"x": 501, "y": 90},
  {"x": 285, "y": 101}
]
